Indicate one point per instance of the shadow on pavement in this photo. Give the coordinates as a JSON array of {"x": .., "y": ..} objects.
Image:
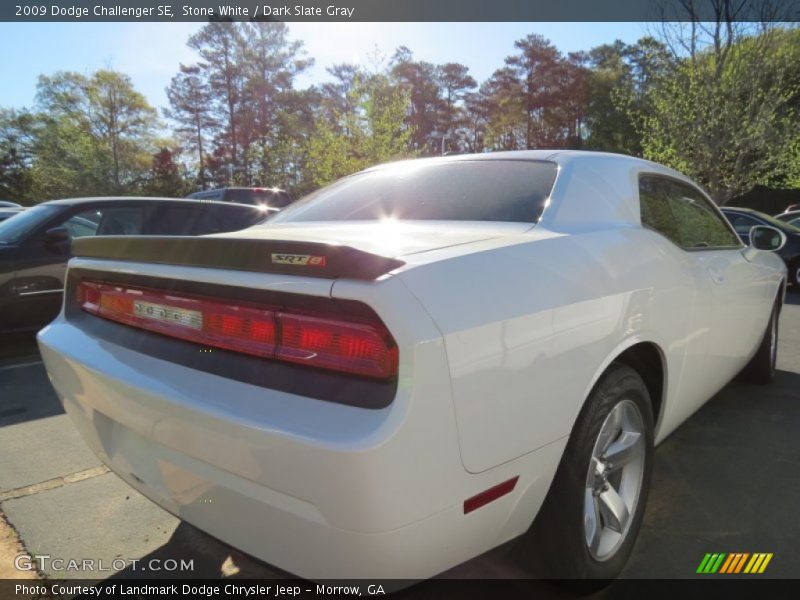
[
  {"x": 15, "y": 347},
  {"x": 211, "y": 559},
  {"x": 25, "y": 390}
]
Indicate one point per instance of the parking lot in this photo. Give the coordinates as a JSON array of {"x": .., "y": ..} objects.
[{"x": 726, "y": 481}]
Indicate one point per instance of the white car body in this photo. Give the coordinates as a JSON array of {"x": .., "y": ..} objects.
[{"x": 502, "y": 328}]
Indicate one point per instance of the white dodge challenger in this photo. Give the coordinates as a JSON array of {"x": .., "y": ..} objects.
[{"x": 420, "y": 361}]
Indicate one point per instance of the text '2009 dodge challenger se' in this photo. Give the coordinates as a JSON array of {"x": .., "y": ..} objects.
[{"x": 402, "y": 370}]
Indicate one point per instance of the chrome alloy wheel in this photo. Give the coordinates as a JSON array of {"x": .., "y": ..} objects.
[{"x": 614, "y": 481}]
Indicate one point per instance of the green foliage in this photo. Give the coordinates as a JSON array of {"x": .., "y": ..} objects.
[
  {"x": 374, "y": 131},
  {"x": 726, "y": 118},
  {"x": 165, "y": 178},
  {"x": 93, "y": 136},
  {"x": 724, "y": 112},
  {"x": 17, "y": 135}
]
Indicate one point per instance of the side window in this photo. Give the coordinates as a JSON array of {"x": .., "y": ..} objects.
[
  {"x": 683, "y": 214},
  {"x": 241, "y": 196},
  {"x": 171, "y": 219},
  {"x": 742, "y": 223},
  {"x": 123, "y": 220},
  {"x": 240, "y": 218},
  {"x": 83, "y": 223}
]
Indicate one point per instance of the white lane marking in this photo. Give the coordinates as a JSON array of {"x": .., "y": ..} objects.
[
  {"x": 54, "y": 483},
  {"x": 21, "y": 365}
]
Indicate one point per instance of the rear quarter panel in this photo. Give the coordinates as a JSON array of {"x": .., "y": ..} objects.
[{"x": 529, "y": 327}]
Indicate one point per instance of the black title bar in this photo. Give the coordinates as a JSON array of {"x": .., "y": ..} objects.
[{"x": 401, "y": 10}]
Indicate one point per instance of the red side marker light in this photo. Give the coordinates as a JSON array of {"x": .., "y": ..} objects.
[{"x": 490, "y": 495}]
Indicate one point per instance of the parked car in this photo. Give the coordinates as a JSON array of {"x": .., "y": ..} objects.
[
  {"x": 792, "y": 217},
  {"x": 35, "y": 244},
  {"x": 7, "y": 212},
  {"x": 411, "y": 364},
  {"x": 744, "y": 219},
  {"x": 9, "y": 204},
  {"x": 273, "y": 198}
]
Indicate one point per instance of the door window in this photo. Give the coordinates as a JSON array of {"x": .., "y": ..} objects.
[
  {"x": 683, "y": 215},
  {"x": 742, "y": 223},
  {"x": 122, "y": 220}
]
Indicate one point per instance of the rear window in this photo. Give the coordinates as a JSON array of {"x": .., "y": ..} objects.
[{"x": 464, "y": 190}]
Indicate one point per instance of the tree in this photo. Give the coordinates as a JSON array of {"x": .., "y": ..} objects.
[
  {"x": 219, "y": 44},
  {"x": 17, "y": 138},
  {"x": 419, "y": 82},
  {"x": 373, "y": 132},
  {"x": 95, "y": 135},
  {"x": 621, "y": 78},
  {"x": 455, "y": 83},
  {"x": 165, "y": 178},
  {"x": 725, "y": 114},
  {"x": 121, "y": 118},
  {"x": 190, "y": 100},
  {"x": 502, "y": 97},
  {"x": 536, "y": 69},
  {"x": 270, "y": 63}
]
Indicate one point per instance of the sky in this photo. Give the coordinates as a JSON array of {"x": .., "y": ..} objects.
[{"x": 151, "y": 52}]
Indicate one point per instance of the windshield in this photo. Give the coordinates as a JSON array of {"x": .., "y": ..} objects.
[
  {"x": 12, "y": 229},
  {"x": 462, "y": 190}
]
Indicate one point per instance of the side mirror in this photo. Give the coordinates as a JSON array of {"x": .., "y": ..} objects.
[
  {"x": 56, "y": 235},
  {"x": 764, "y": 237}
]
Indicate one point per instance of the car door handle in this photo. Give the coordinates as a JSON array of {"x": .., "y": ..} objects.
[{"x": 717, "y": 276}]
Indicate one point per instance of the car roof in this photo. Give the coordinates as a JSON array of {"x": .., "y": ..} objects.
[
  {"x": 560, "y": 157},
  {"x": 137, "y": 199},
  {"x": 741, "y": 209}
]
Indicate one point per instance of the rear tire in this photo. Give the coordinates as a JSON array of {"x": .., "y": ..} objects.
[
  {"x": 794, "y": 274},
  {"x": 761, "y": 368},
  {"x": 589, "y": 521}
]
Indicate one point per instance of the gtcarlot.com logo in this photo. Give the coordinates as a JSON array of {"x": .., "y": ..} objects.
[
  {"x": 734, "y": 563},
  {"x": 46, "y": 562}
]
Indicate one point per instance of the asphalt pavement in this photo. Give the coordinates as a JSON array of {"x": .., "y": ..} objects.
[{"x": 725, "y": 481}]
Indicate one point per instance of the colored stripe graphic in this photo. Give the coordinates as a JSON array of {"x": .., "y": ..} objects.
[
  {"x": 711, "y": 563},
  {"x": 703, "y": 563},
  {"x": 734, "y": 563},
  {"x": 728, "y": 564}
]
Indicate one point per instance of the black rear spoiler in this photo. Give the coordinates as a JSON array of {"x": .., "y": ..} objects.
[{"x": 310, "y": 259}]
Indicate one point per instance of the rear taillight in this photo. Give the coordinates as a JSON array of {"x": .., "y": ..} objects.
[{"x": 360, "y": 347}]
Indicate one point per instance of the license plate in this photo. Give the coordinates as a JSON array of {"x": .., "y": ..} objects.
[{"x": 168, "y": 314}]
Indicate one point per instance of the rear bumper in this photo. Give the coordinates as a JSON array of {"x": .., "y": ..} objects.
[{"x": 319, "y": 489}]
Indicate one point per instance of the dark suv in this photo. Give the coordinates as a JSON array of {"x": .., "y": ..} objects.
[
  {"x": 34, "y": 244},
  {"x": 270, "y": 197}
]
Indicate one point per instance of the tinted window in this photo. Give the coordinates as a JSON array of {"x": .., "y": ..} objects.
[
  {"x": 174, "y": 219},
  {"x": 13, "y": 228},
  {"x": 240, "y": 196},
  {"x": 217, "y": 219},
  {"x": 271, "y": 197},
  {"x": 682, "y": 214},
  {"x": 83, "y": 224},
  {"x": 465, "y": 190},
  {"x": 212, "y": 195},
  {"x": 123, "y": 220},
  {"x": 741, "y": 223}
]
